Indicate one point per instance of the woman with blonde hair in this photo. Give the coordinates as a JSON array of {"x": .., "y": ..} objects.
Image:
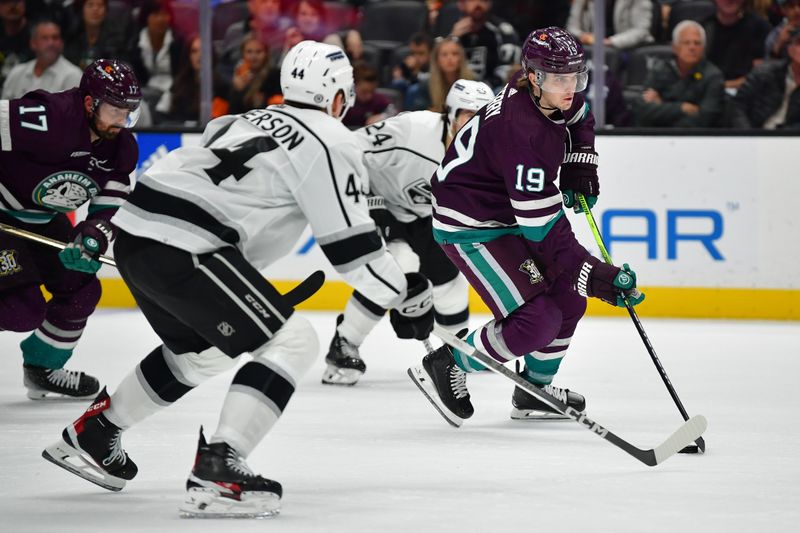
[{"x": 448, "y": 64}]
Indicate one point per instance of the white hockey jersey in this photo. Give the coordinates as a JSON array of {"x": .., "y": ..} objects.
[
  {"x": 401, "y": 154},
  {"x": 254, "y": 183}
]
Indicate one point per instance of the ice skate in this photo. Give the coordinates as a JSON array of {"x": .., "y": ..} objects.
[
  {"x": 527, "y": 407},
  {"x": 345, "y": 366},
  {"x": 444, "y": 384},
  {"x": 221, "y": 485},
  {"x": 59, "y": 383},
  {"x": 91, "y": 448}
]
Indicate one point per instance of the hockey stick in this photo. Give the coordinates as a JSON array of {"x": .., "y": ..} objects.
[
  {"x": 305, "y": 289},
  {"x": 53, "y": 243},
  {"x": 701, "y": 444},
  {"x": 689, "y": 431}
]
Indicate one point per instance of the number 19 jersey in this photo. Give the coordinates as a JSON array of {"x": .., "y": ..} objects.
[{"x": 498, "y": 176}]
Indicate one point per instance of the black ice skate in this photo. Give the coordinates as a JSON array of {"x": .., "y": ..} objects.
[
  {"x": 444, "y": 384},
  {"x": 91, "y": 448},
  {"x": 345, "y": 366},
  {"x": 221, "y": 485},
  {"x": 527, "y": 407},
  {"x": 42, "y": 381}
]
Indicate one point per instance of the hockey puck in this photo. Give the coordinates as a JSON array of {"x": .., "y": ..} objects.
[{"x": 692, "y": 448}]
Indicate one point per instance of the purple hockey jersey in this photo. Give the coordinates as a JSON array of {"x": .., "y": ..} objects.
[
  {"x": 498, "y": 177},
  {"x": 48, "y": 164}
]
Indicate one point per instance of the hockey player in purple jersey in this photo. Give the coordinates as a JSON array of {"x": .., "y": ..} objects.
[
  {"x": 497, "y": 213},
  {"x": 57, "y": 152}
]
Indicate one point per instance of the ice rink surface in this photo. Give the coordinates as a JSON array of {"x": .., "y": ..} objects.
[{"x": 377, "y": 457}]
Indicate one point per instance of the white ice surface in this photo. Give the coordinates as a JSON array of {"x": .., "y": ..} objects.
[{"x": 377, "y": 457}]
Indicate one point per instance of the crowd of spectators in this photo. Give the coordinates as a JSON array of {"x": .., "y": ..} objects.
[{"x": 669, "y": 63}]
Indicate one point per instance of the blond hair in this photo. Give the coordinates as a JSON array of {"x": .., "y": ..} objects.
[{"x": 438, "y": 86}]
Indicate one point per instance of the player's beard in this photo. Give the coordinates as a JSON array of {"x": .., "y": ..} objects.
[{"x": 106, "y": 134}]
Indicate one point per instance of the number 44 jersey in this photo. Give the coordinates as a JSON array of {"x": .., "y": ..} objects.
[{"x": 254, "y": 183}]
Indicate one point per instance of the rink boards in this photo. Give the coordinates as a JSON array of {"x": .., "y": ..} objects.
[{"x": 707, "y": 223}]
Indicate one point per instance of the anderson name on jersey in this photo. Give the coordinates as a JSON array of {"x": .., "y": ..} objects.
[
  {"x": 401, "y": 153},
  {"x": 255, "y": 182}
]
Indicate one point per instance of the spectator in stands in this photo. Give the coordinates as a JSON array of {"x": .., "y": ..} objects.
[
  {"x": 448, "y": 65},
  {"x": 687, "y": 91},
  {"x": 491, "y": 44},
  {"x": 769, "y": 98},
  {"x": 264, "y": 22},
  {"x": 157, "y": 56},
  {"x": 415, "y": 65},
  {"x": 181, "y": 104},
  {"x": 618, "y": 114},
  {"x": 254, "y": 81},
  {"x": 527, "y": 14},
  {"x": 735, "y": 40},
  {"x": 778, "y": 38},
  {"x": 96, "y": 36},
  {"x": 370, "y": 106},
  {"x": 49, "y": 70},
  {"x": 15, "y": 36},
  {"x": 309, "y": 17},
  {"x": 627, "y": 22}
]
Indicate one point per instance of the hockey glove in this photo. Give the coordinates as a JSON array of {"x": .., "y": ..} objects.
[
  {"x": 579, "y": 174},
  {"x": 607, "y": 282},
  {"x": 413, "y": 318},
  {"x": 89, "y": 240}
]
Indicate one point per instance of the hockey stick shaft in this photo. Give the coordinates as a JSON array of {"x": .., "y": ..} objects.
[
  {"x": 688, "y": 432},
  {"x": 47, "y": 241},
  {"x": 701, "y": 444}
]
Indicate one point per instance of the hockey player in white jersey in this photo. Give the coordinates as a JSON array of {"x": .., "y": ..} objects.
[
  {"x": 401, "y": 154},
  {"x": 196, "y": 228}
]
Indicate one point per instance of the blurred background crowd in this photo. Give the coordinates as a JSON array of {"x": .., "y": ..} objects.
[{"x": 668, "y": 63}]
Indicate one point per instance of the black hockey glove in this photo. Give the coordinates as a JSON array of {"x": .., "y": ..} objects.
[
  {"x": 579, "y": 174},
  {"x": 413, "y": 318},
  {"x": 89, "y": 240},
  {"x": 607, "y": 282}
]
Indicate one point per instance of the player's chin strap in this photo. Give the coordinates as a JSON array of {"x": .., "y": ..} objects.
[{"x": 538, "y": 100}]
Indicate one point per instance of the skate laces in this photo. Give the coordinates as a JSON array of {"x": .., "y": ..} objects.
[
  {"x": 117, "y": 454},
  {"x": 64, "y": 378},
  {"x": 235, "y": 462},
  {"x": 458, "y": 382},
  {"x": 556, "y": 392}
]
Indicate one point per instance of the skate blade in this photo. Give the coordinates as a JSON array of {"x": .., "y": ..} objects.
[
  {"x": 423, "y": 381},
  {"x": 531, "y": 414},
  {"x": 73, "y": 460},
  {"x": 204, "y": 503},
  {"x": 341, "y": 376},
  {"x": 50, "y": 396}
]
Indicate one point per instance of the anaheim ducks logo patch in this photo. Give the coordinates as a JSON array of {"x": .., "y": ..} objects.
[
  {"x": 529, "y": 267},
  {"x": 65, "y": 191},
  {"x": 9, "y": 263}
]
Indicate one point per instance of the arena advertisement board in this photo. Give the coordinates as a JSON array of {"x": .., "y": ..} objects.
[{"x": 706, "y": 222}]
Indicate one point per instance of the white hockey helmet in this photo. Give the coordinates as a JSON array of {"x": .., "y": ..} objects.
[
  {"x": 466, "y": 94},
  {"x": 313, "y": 73}
]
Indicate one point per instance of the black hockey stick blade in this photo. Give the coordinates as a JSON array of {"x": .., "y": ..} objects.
[
  {"x": 684, "y": 435},
  {"x": 305, "y": 289}
]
